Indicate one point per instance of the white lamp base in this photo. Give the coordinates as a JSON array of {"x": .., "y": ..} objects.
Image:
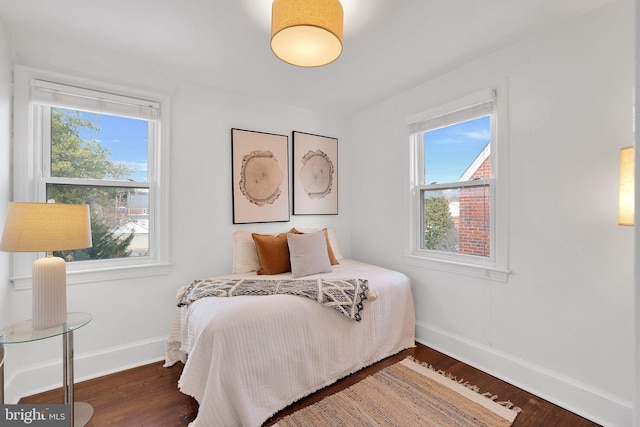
[{"x": 49, "y": 285}]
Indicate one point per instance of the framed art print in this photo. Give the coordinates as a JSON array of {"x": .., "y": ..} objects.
[
  {"x": 315, "y": 174},
  {"x": 260, "y": 169}
]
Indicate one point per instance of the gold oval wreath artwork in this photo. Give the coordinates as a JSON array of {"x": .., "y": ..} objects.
[
  {"x": 316, "y": 174},
  {"x": 260, "y": 177}
]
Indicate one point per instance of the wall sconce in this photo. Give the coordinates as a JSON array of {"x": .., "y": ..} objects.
[
  {"x": 307, "y": 33},
  {"x": 626, "y": 197}
]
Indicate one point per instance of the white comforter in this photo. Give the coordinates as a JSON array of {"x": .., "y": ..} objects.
[{"x": 250, "y": 356}]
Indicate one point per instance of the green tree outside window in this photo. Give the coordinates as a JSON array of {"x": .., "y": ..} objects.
[{"x": 75, "y": 157}]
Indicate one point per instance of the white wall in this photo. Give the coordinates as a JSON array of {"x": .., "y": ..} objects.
[
  {"x": 562, "y": 327},
  {"x": 131, "y": 318}
]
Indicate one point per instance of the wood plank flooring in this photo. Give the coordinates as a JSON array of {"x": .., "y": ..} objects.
[{"x": 149, "y": 396}]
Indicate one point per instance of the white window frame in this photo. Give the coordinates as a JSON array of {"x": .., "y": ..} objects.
[
  {"x": 494, "y": 267},
  {"x": 32, "y": 87}
]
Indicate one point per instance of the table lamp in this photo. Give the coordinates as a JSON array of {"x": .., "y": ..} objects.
[{"x": 47, "y": 227}]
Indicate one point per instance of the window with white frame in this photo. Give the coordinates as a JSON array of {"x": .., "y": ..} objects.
[
  {"x": 458, "y": 201},
  {"x": 101, "y": 146}
]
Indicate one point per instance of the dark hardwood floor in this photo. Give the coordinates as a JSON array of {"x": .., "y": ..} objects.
[{"x": 149, "y": 396}]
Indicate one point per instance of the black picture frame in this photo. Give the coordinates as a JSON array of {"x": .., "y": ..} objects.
[
  {"x": 315, "y": 174},
  {"x": 260, "y": 176}
]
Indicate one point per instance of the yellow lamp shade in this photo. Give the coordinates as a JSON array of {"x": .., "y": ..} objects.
[
  {"x": 626, "y": 198},
  {"x": 46, "y": 227},
  {"x": 307, "y": 33}
]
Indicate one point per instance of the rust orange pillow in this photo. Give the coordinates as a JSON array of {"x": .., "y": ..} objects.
[
  {"x": 332, "y": 257},
  {"x": 273, "y": 252}
]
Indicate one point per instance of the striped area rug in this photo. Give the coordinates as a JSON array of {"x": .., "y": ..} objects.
[{"x": 407, "y": 394}]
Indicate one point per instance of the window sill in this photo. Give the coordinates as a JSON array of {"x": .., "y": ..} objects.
[
  {"x": 473, "y": 270},
  {"x": 102, "y": 274}
]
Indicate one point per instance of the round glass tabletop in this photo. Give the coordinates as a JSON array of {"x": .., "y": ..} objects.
[{"x": 24, "y": 331}]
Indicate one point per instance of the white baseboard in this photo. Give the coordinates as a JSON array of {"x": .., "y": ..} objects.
[
  {"x": 592, "y": 403},
  {"x": 42, "y": 377}
]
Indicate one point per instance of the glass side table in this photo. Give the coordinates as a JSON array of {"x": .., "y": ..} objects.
[{"x": 79, "y": 412}]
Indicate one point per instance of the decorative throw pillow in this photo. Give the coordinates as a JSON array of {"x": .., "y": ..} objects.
[
  {"x": 330, "y": 253},
  {"x": 273, "y": 252},
  {"x": 332, "y": 234},
  {"x": 245, "y": 257},
  {"x": 308, "y": 254}
]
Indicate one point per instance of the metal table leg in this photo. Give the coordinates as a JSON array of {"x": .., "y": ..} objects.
[
  {"x": 2, "y": 354},
  {"x": 67, "y": 373},
  {"x": 79, "y": 412}
]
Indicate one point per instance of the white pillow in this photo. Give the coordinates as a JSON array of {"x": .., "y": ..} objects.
[
  {"x": 245, "y": 256},
  {"x": 308, "y": 254}
]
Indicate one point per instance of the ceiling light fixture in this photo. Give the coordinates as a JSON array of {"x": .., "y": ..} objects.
[{"x": 307, "y": 33}]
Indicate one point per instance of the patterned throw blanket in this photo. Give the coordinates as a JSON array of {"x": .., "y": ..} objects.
[{"x": 344, "y": 295}]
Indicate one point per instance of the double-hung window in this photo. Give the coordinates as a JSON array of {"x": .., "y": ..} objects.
[
  {"x": 458, "y": 202},
  {"x": 83, "y": 143}
]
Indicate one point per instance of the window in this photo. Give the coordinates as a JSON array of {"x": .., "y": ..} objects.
[
  {"x": 97, "y": 145},
  {"x": 458, "y": 215},
  {"x": 100, "y": 160}
]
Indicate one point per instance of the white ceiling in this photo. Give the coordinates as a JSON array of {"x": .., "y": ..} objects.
[{"x": 389, "y": 45}]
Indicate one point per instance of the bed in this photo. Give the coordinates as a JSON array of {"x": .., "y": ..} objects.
[{"x": 247, "y": 357}]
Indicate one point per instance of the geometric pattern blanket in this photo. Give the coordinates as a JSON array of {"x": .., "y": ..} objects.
[{"x": 344, "y": 295}]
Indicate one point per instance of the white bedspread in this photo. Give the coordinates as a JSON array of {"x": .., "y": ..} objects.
[{"x": 250, "y": 356}]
